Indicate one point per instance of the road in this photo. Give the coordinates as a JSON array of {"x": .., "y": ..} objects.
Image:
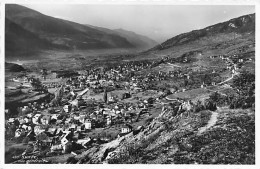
[{"x": 228, "y": 79}]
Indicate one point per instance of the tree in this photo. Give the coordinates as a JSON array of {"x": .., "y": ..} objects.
[
  {"x": 218, "y": 98},
  {"x": 105, "y": 96},
  {"x": 244, "y": 83},
  {"x": 185, "y": 82},
  {"x": 36, "y": 83}
]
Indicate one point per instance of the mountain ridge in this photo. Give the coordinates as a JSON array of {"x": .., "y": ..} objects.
[
  {"x": 240, "y": 25},
  {"x": 139, "y": 41},
  {"x": 58, "y": 32}
]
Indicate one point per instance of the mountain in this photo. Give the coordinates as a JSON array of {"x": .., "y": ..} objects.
[
  {"x": 139, "y": 41},
  {"x": 50, "y": 32},
  {"x": 217, "y": 33},
  {"x": 20, "y": 41},
  {"x": 136, "y": 39}
]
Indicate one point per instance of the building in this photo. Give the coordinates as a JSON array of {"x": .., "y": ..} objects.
[
  {"x": 67, "y": 108},
  {"x": 88, "y": 124},
  {"x": 56, "y": 148},
  {"x": 109, "y": 120},
  {"x": 126, "y": 129},
  {"x": 19, "y": 132}
]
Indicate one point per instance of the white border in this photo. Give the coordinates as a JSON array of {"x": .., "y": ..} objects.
[{"x": 129, "y": 2}]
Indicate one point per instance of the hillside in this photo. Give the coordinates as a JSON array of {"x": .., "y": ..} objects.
[
  {"x": 241, "y": 25},
  {"x": 217, "y": 38},
  {"x": 46, "y": 31},
  {"x": 13, "y": 67},
  {"x": 139, "y": 41},
  {"x": 181, "y": 140},
  {"x": 224, "y": 136},
  {"x": 21, "y": 41}
]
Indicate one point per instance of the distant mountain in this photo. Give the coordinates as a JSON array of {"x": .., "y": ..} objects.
[
  {"x": 136, "y": 39},
  {"x": 230, "y": 29},
  {"x": 139, "y": 41},
  {"x": 43, "y": 31}
]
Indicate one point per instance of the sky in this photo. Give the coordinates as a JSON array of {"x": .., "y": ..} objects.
[{"x": 158, "y": 22}]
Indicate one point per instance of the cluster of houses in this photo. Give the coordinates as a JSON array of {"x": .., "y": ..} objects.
[
  {"x": 56, "y": 130},
  {"x": 68, "y": 118},
  {"x": 63, "y": 125}
]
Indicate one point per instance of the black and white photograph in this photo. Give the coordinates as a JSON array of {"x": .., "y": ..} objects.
[{"x": 129, "y": 83}]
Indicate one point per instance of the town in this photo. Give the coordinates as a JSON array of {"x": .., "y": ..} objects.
[{"x": 95, "y": 106}]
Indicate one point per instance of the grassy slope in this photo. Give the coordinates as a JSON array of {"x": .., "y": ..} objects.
[{"x": 230, "y": 141}]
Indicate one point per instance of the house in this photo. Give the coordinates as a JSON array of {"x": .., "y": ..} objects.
[
  {"x": 58, "y": 147},
  {"x": 19, "y": 132},
  {"x": 76, "y": 119},
  {"x": 24, "y": 126},
  {"x": 52, "y": 131},
  {"x": 36, "y": 118},
  {"x": 73, "y": 128},
  {"x": 38, "y": 130},
  {"x": 21, "y": 120},
  {"x": 109, "y": 120},
  {"x": 88, "y": 124},
  {"x": 67, "y": 108},
  {"x": 126, "y": 129},
  {"x": 55, "y": 116},
  {"x": 82, "y": 119},
  {"x": 30, "y": 115},
  {"x": 111, "y": 99},
  {"x": 48, "y": 141},
  {"x": 45, "y": 120}
]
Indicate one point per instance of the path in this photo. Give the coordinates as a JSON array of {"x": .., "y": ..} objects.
[
  {"x": 211, "y": 122},
  {"x": 228, "y": 79}
]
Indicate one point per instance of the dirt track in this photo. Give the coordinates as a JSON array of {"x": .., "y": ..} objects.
[{"x": 211, "y": 122}]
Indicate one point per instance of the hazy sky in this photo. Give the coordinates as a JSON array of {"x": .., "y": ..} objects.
[{"x": 159, "y": 22}]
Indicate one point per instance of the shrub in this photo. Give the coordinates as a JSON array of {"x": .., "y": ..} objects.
[
  {"x": 218, "y": 98},
  {"x": 210, "y": 105},
  {"x": 245, "y": 83}
]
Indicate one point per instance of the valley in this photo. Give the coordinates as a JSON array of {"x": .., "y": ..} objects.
[{"x": 188, "y": 100}]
